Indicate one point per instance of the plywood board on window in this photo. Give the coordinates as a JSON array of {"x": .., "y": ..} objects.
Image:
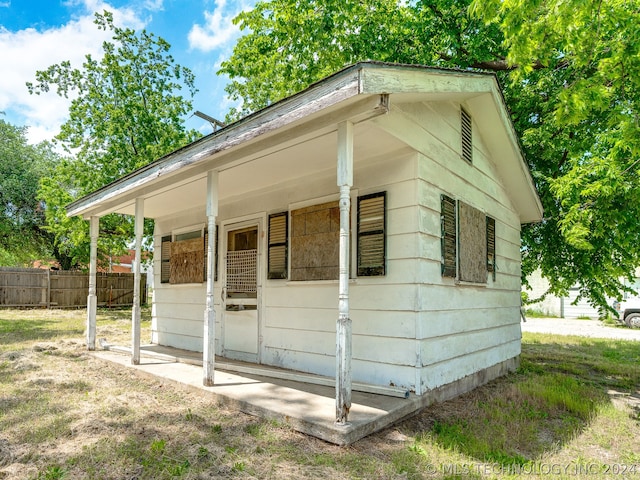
[
  {"x": 187, "y": 261},
  {"x": 472, "y": 244},
  {"x": 315, "y": 257},
  {"x": 315, "y": 240}
]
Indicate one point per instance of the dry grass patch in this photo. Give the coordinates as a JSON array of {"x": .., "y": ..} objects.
[{"x": 64, "y": 414}]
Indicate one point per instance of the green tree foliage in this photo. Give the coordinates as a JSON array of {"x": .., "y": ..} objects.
[
  {"x": 126, "y": 111},
  {"x": 576, "y": 89},
  {"x": 293, "y": 43},
  {"x": 22, "y": 165},
  {"x": 570, "y": 71}
]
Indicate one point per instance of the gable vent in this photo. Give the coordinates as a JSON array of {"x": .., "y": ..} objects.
[{"x": 467, "y": 145}]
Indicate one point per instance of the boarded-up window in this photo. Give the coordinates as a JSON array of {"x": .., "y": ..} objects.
[
  {"x": 184, "y": 260},
  {"x": 315, "y": 237},
  {"x": 448, "y": 224},
  {"x": 468, "y": 242},
  {"x": 278, "y": 226},
  {"x": 472, "y": 255},
  {"x": 187, "y": 261},
  {"x": 371, "y": 234},
  {"x": 467, "y": 144},
  {"x": 491, "y": 246}
]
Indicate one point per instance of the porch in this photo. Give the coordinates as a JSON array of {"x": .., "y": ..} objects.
[{"x": 256, "y": 389}]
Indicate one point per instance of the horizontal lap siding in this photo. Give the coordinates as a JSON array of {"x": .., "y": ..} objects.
[
  {"x": 396, "y": 324},
  {"x": 442, "y": 323},
  {"x": 446, "y": 348},
  {"x": 372, "y": 372},
  {"x": 178, "y": 310},
  {"x": 299, "y": 318},
  {"x": 463, "y": 328},
  {"x": 440, "y": 374},
  {"x": 178, "y": 316},
  {"x": 299, "y": 322}
]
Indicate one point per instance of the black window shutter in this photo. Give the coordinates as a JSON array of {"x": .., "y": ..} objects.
[
  {"x": 448, "y": 222},
  {"x": 491, "y": 246},
  {"x": 165, "y": 259},
  {"x": 371, "y": 242},
  {"x": 278, "y": 249}
]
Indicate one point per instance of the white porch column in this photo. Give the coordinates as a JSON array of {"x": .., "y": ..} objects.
[
  {"x": 343, "y": 326},
  {"x": 92, "y": 299},
  {"x": 209, "y": 334},
  {"x": 135, "y": 311}
]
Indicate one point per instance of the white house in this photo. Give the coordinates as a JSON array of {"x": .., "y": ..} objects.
[{"x": 366, "y": 228}]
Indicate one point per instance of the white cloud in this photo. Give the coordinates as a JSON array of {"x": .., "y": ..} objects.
[
  {"x": 218, "y": 29},
  {"x": 24, "y": 52}
]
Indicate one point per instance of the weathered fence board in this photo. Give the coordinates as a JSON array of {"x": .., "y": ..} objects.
[{"x": 33, "y": 287}]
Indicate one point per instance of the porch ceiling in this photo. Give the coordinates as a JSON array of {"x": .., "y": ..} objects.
[{"x": 303, "y": 157}]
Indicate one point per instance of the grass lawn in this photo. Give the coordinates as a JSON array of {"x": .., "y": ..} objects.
[{"x": 572, "y": 410}]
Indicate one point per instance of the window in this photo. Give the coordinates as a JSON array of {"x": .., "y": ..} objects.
[
  {"x": 183, "y": 257},
  {"x": 371, "y": 234},
  {"x": 465, "y": 130},
  {"x": 472, "y": 241},
  {"x": 315, "y": 237},
  {"x": 467, "y": 242},
  {"x": 315, "y": 240},
  {"x": 278, "y": 232}
]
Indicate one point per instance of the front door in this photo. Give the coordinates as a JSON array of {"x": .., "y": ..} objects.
[{"x": 240, "y": 293}]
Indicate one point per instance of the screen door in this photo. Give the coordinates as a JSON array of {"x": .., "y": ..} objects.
[{"x": 240, "y": 294}]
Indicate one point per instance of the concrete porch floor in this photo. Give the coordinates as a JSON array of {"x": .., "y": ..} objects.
[{"x": 306, "y": 407}]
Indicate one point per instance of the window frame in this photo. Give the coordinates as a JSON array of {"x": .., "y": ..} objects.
[
  {"x": 190, "y": 233},
  {"x": 356, "y": 232},
  {"x": 450, "y": 238}
]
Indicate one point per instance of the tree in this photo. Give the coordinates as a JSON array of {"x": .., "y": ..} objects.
[
  {"x": 293, "y": 43},
  {"x": 579, "y": 121},
  {"x": 22, "y": 238},
  {"x": 570, "y": 72},
  {"x": 125, "y": 112}
]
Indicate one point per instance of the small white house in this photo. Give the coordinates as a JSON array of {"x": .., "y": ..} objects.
[{"x": 366, "y": 228}]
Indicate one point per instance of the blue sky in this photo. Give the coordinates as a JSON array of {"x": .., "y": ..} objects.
[{"x": 37, "y": 33}]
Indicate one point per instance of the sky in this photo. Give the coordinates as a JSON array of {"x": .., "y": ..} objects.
[{"x": 35, "y": 34}]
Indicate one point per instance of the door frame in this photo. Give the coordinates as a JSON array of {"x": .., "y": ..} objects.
[{"x": 237, "y": 224}]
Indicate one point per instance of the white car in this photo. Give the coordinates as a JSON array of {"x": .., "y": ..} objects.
[{"x": 629, "y": 311}]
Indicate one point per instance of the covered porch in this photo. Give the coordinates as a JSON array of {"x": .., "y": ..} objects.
[
  {"x": 292, "y": 398},
  {"x": 223, "y": 167}
]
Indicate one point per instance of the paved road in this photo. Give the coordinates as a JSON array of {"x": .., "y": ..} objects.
[{"x": 584, "y": 328}]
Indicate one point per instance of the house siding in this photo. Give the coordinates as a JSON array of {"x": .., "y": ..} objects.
[
  {"x": 412, "y": 327},
  {"x": 298, "y": 322},
  {"x": 462, "y": 328}
]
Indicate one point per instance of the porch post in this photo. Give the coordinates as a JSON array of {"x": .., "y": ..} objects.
[
  {"x": 343, "y": 326},
  {"x": 92, "y": 298},
  {"x": 135, "y": 313},
  {"x": 209, "y": 334}
]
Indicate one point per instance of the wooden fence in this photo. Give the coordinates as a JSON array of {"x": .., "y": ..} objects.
[{"x": 34, "y": 287}]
